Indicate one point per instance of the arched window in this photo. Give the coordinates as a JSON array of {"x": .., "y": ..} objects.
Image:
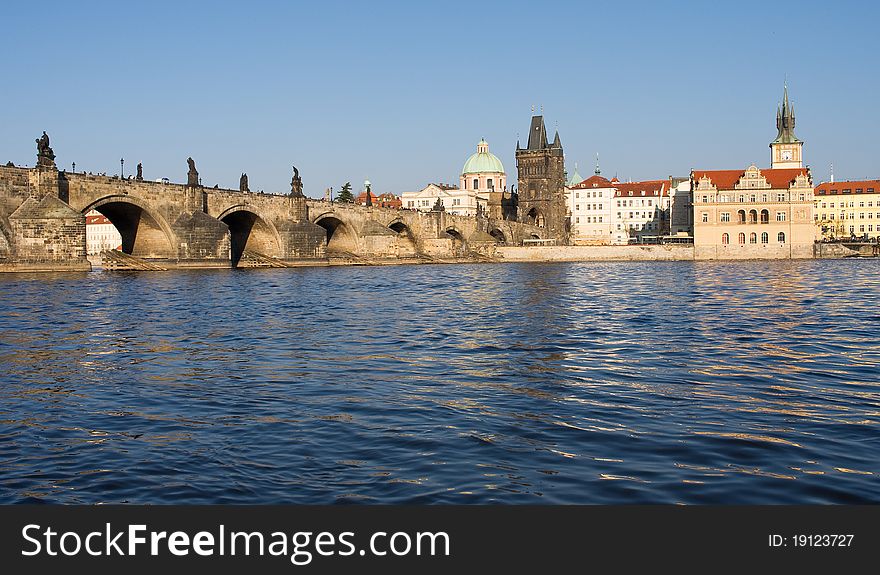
[
  {"x": 765, "y": 217},
  {"x": 753, "y": 238},
  {"x": 742, "y": 238},
  {"x": 725, "y": 239},
  {"x": 742, "y": 216},
  {"x": 753, "y": 217},
  {"x": 781, "y": 237},
  {"x": 476, "y": 184},
  {"x": 765, "y": 237}
]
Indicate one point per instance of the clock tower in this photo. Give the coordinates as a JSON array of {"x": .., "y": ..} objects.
[{"x": 786, "y": 150}]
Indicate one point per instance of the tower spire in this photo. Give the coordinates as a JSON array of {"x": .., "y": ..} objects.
[{"x": 597, "y": 171}]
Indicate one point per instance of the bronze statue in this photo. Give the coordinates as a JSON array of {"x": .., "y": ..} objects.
[
  {"x": 438, "y": 206},
  {"x": 192, "y": 176},
  {"x": 140, "y": 172},
  {"x": 296, "y": 186},
  {"x": 45, "y": 155},
  {"x": 243, "y": 183},
  {"x": 369, "y": 201}
]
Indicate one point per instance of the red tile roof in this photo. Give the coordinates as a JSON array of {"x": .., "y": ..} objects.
[
  {"x": 93, "y": 220},
  {"x": 593, "y": 182},
  {"x": 848, "y": 187},
  {"x": 727, "y": 179},
  {"x": 650, "y": 187}
]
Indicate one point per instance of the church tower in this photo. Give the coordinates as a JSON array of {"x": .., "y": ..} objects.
[
  {"x": 786, "y": 150},
  {"x": 540, "y": 169}
]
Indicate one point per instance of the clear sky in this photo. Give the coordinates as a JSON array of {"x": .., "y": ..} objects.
[{"x": 401, "y": 92}]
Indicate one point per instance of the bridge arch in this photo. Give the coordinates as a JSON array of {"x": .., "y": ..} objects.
[
  {"x": 250, "y": 230},
  {"x": 405, "y": 236},
  {"x": 498, "y": 235},
  {"x": 341, "y": 236},
  {"x": 144, "y": 232},
  {"x": 458, "y": 241}
]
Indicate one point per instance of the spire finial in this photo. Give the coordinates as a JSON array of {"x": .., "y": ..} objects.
[
  {"x": 533, "y": 109},
  {"x": 597, "y": 172}
]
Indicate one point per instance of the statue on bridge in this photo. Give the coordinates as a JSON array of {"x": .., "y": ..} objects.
[
  {"x": 192, "y": 176},
  {"x": 296, "y": 185},
  {"x": 45, "y": 155},
  {"x": 369, "y": 201},
  {"x": 438, "y": 206},
  {"x": 140, "y": 172},
  {"x": 243, "y": 183}
]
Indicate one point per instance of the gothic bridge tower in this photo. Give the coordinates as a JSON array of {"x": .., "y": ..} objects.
[{"x": 540, "y": 169}]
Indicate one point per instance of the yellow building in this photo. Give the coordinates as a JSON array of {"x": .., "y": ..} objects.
[
  {"x": 754, "y": 213},
  {"x": 848, "y": 209}
]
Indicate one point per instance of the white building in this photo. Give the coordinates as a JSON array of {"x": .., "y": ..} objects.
[
  {"x": 454, "y": 200},
  {"x": 482, "y": 173},
  {"x": 589, "y": 203},
  {"x": 640, "y": 209},
  {"x": 101, "y": 235}
]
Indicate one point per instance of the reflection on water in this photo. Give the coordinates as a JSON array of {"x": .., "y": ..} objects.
[{"x": 752, "y": 382}]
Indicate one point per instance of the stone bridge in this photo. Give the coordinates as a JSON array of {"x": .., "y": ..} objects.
[{"x": 42, "y": 225}]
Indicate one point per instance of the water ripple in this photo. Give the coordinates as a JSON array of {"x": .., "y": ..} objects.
[{"x": 728, "y": 382}]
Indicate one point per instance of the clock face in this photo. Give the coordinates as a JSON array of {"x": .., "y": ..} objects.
[{"x": 786, "y": 154}]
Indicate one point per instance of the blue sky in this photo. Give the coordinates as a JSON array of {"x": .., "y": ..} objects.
[{"x": 401, "y": 92}]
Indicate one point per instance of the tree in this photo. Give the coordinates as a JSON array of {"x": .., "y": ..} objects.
[{"x": 345, "y": 195}]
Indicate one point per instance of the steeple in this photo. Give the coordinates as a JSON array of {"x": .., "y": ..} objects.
[
  {"x": 597, "y": 171},
  {"x": 786, "y": 151},
  {"x": 556, "y": 142},
  {"x": 785, "y": 121}
]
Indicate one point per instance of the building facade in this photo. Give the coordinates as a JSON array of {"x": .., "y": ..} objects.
[
  {"x": 101, "y": 235},
  {"x": 454, "y": 200},
  {"x": 756, "y": 213},
  {"x": 848, "y": 209},
  {"x": 640, "y": 210},
  {"x": 541, "y": 193},
  {"x": 589, "y": 203}
]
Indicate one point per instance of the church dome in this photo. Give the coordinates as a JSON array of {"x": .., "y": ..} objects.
[{"x": 483, "y": 161}]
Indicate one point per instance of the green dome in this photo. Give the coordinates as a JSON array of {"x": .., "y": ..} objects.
[{"x": 483, "y": 161}]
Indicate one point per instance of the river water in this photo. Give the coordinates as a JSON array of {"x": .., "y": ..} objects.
[{"x": 623, "y": 382}]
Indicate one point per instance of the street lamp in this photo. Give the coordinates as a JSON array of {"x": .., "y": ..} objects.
[
  {"x": 73, "y": 167},
  {"x": 121, "y": 168}
]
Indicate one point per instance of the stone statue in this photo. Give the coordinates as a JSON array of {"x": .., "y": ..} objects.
[
  {"x": 369, "y": 201},
  {"x": 45, "y": 155},
  {"x": 438, "y": 206},
  {"x": 140, "y": 172},
  {"x": 243, "y": 183},
  {"x": 296, "y": 185},
  {"x": 192, "y": 176}
]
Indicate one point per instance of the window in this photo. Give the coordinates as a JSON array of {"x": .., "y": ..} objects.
[
  {"x": 476, "y": 184},
  {"x": 577, "y": 220},
  {"x": 780, "y": 197},
  {"x": 742, "y": 238},
  {"x": 753, "y": 238},
  {"x": 780, "y": 216},
  {"x": 489, "y": 183},
  {"x": 765, "y": 237},
  {"x": 861, "y": 215},
  {"x": 650, "y": 202},
  {"x": 725, "y": 239},
  {"x": 577, "y": 195},
  {"x": 781, "y": 237},
  {"x": 725, "y": 216},
  {"x": 705, "y": 216},
  {"x": 862, "y": 228},
  {"x": 705, "y": 199},
  {"x": 600, "y": 219}
]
